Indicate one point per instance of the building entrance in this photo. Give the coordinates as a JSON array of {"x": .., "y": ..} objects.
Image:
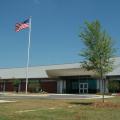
[
  {"x": 83, "y": 88},
  {"x": 80, "y": 84}
]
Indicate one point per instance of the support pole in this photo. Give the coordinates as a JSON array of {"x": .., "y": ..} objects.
[{"x": 27, "y": 67}]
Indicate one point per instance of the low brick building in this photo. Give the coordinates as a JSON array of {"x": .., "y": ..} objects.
[{"x": 64, "y": 78}]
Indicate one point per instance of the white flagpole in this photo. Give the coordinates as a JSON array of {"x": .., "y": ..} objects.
[{"x": 27, "y": 67}]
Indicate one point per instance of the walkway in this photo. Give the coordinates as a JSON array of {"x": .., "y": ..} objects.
[{"x": 50, "y": 96}]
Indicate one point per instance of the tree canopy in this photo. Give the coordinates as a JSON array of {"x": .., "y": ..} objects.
[{"x": 98, "y": 48}]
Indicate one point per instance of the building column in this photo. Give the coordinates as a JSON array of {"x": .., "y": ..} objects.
[
  {"x": 19, "y": 87},
  {"x": 4, "y": 85},
  {"x": 64, "y": 86},
  {"x": 61, "y": 86},
  {"x": 101, "y": 87},
  {"x": 98, "y": 85},
  {"x": 106, "y": 86}
]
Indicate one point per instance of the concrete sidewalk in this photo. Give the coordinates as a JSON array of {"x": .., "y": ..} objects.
[
  {"x": 21, "y": 94},
  {"x": 51, "y": 96},
  {"x": 6, "y": 101}
]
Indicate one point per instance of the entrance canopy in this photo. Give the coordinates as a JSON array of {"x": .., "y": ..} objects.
[{"x": 69, "y": 72}]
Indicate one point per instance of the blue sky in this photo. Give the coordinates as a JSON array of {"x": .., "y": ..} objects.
[{"x": 55, "y": 29}]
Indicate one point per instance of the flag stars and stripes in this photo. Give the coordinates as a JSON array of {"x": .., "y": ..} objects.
[{"x": 22, "y": 25}]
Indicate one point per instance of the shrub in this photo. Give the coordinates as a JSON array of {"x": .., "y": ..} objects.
[
  {"x": 113, "y": 86},
  {"x": 34, "y": 86},
  {"x": 16, "y": 84}
]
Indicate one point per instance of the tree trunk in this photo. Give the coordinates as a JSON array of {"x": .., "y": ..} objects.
[{"x": 103, "y": 90}]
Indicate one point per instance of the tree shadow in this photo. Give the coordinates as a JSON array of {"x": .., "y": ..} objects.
[{"x": 81, "y": 103}]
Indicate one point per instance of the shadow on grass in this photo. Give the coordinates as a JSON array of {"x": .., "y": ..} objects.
[
  {"x": 3, "y": 118},
  {"x": 81, "y": 103}
]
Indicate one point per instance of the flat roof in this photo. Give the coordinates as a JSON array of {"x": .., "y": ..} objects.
[
  {"x": 54, "y": 70},
  {"x": 34, "y": 72}
]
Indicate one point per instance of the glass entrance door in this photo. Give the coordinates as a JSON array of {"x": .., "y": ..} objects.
[{"x": 83, "y": 88}]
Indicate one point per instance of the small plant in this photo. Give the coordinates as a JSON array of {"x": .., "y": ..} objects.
[
  {"x": 113, "y": 86},
  {"x": 16, "y": 84},
  {"x": 34, "y": 86}
]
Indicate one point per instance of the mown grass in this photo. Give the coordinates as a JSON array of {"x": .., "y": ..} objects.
[{"x": 43, "y": 109}]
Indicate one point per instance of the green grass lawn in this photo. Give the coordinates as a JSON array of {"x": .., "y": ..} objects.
[{"x": 61, "y": 110}]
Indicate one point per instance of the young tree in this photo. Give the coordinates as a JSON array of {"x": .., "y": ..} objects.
[
  {"x": 98, "y": 50},
  {"x": 34, "y": 86},
  {"x": 16, "y": 84}
]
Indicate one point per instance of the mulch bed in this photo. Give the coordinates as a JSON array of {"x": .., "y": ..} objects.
[{"x": 106, "y": 105}]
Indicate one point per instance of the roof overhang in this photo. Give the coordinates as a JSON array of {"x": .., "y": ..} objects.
[{"x": 69, "y": 72}]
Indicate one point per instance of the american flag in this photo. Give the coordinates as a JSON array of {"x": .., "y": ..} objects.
[{"x": 22, "y": 25}]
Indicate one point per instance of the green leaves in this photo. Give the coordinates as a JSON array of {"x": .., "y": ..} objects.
[
  {"x": 98, "y": 48},
  {"x": 16, "y": 82}
]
